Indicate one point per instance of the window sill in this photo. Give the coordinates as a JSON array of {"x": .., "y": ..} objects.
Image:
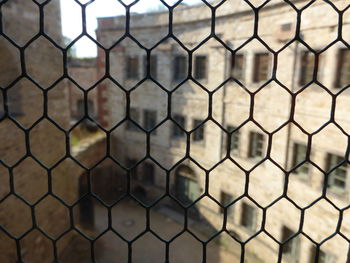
[
  {"x": 203, "y": 81},
  {"x": 255, "y": 158},
  {"x": 305, "y": 178},
  {"x": 177, "y": 138},
  {"x": 234, "y": 154}
]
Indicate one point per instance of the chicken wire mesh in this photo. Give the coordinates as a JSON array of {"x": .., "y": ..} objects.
[{"x": 180, "y": 186}]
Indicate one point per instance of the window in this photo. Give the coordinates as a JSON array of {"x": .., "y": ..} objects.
[
  {"x": 234, "y": 139},
  {"x": 132, "y": 67},
  {"x": 286, "y": 27},
  {"x": 323, "y": 257},
  {"x": 343, "y": 72},
  {"x": 149, "y": 120},
  {"x": 307, "y": 64},
  {"x": 14, "y": 102},
  {"x": 81, "y": 108},
  {"x": 256, "y": 147},
  {"x": 248, "y": 218},
  {"x": 291, "y": 247},
  {"x": 2, "y": 111},
  {"x": 135, "y": 116},
  {"x": 153, "y": 65},
  {"x": 177, "y": 132},
  {"x": 133, "y": 171},
  {"x": 337, "y": 178},
  {"x": 299, "y": 155},
  {"x": 225, "y": 199},
  {"x": 237, "y": 67},
  {"x": 261, "y": 67},
  {"x": 200, "y": 67},
  {"x": 148, "y": 173},
  {"x": 180, "y": 67},
  {"x": 198, "y": 134}
]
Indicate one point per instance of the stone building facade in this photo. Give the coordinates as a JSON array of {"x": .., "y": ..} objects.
[
  {"x": 240, "y": 144},
  {"x": 37, "y": 177},
  {"x": 84, "y": 72}
]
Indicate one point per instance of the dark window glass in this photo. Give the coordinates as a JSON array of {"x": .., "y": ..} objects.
[
  {"x": 343, "y": 72},
  {"x": 256, "y": 141},
  {"x": 291, "y": 247},
  {"x": 237, "y": 67},
  {"x": 307, "y": 64},
  {"x": 299, "y": 155},
  {"x": 132, "y": 67},
  {"x": 248, "y": 217},
  {"x": 133, "y": 170},
  {"x": 2, "y": 111},
  {"x": 153, "y": 65},
  {"x": 148, "y": 176},
  {"x": 337, "y": 178},
  {"x": 135, "y": 116},
  {"x": 234, "y": 140},
  {"x": 149, "y": 120},
  {"x": 286, "y": 27},
  {"x": 14, "y": 101},
  {"x": 180, "y": 67},
  {"x": 177, "y": 132},
  {"x": 225, "y": 199},
  {"x": 200, "y": 67},
  {"x": 81, "y": 108},
  {"x": 198, "y": 134},
  {"x": 261, "y": 67}
]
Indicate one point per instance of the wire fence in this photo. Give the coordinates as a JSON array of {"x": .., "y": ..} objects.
[{"x": 187, "y": 197}]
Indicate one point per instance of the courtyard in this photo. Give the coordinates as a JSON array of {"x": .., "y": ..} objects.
[{"x": 129, "y": 220}]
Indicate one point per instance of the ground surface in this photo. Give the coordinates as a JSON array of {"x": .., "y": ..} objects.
[{"x": 130, "y": 220}]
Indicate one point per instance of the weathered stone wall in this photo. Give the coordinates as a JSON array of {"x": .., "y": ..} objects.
[
  {"x": 231, "y": 105},
  {"x": 26, "y": 180}
]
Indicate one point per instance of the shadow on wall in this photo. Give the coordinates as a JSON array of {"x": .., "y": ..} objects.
[{"x": 129, "y": 219}]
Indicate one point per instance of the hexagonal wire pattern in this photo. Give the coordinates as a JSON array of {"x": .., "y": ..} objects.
[{"x": 213, "y": 35}]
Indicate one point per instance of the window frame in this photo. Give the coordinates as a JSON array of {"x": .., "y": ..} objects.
[
  {"x": 176, "y": 132},
  {"x": 304, "y": 69},
  {"x": 296, "y": 160},
  {"x": 132, "y": 74},
  {"x": 330, "y": 182},
  {"x": 129, "y": 125},
  {"x": 198, "y": 132},
  {"x": 250, "y": 212},
  {"x": 253, "y": 152},
  {"x": 146, "y": 121},
  {"x": 325, "y": 257},
  {"x": 233, "y": 136},
  {"x": 257, "y": 69},
  {"x": 291, "y": 248},
  {"x": 177, "y": 65},
  {"x": 241, "y": 69},
  {"x": 130, "y": 162},
  {"x": 341, "y": 60},
  {"x": 14, "y": 102},
  {"x": 198, "y": 74},
  {"x": 153, "y": 65},
  {"x": 224, "y": 202},
  {"x": 145, "y": 176}
]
